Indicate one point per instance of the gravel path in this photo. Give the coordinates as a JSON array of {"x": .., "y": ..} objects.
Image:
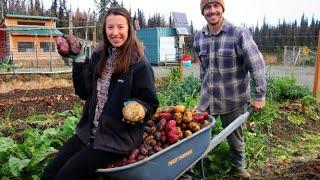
[{"x": 304, "y": 75}]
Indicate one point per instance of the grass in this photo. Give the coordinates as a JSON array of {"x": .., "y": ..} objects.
[{"x": 42, "y": 83}]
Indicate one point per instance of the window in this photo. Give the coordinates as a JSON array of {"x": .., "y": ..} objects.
[
  {"x": 45, "y": 47},
  {"x": 25, "y": 47},
  {"x": 31, "y": 23}
]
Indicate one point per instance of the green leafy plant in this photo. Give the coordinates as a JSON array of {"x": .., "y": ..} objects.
[
  {"x": 184, "y": 91},
  {"x": 5, "y": 66},
  {"x": 28, "y": 156},
  {"x": 285, "y": 88},
  {"x": 174, "y": 74}
]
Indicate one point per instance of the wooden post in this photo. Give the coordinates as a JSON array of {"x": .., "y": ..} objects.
[
  {"x": 284, "y": 55},
  {"x": 36, "y": 46},
  {"x": 317, "y": 71},
  {"x": 70, "y": 23},
  {"x": 94, "y": 33},
  {"x": 181, "y": 66},
  {"x": 88, "y": 17}
]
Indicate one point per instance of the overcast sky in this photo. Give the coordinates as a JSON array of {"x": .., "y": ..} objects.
[{"x": 249, "y": 12}]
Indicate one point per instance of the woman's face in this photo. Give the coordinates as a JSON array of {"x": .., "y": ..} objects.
[{"x": 117, "y": 29}]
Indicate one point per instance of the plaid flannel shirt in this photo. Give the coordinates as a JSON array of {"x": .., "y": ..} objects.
[{"x": 225, "y": 60}]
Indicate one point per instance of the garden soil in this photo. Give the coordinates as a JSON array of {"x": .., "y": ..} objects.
[{"x": 20, "y": 103}]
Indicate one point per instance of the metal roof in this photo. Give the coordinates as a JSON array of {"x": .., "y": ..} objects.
[
  {"x": 37, "y": 32},
  {"x": 30, "y": 17}
]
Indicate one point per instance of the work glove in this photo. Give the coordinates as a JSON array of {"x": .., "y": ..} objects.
[
  {"x": 78, "y": 58},
  {"x": 133, "y": 112}
]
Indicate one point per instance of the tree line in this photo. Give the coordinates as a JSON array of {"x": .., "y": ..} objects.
[{"x": 270, "y": 38}]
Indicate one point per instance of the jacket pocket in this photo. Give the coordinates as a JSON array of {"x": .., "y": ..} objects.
[
  {"x": 118, "y": 134},
  {"x": 226, "y": 58}
]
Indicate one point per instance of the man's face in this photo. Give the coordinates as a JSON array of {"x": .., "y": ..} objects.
[{"x": 213, "y": 13}]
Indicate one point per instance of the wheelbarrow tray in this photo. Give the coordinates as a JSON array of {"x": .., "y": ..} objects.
[{"x": 169, "y": 162}]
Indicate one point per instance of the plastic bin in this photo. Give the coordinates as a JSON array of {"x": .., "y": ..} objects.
[{"x": 187, "y": 64}]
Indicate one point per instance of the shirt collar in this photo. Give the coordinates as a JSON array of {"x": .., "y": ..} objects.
[{"x": 224, "y": 28}]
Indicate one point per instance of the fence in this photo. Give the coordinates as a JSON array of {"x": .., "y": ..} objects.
[
  {"x": 34, "y": 49},
  {"x": 38, "y": 53},
  {"x": 288, "y": 55}
]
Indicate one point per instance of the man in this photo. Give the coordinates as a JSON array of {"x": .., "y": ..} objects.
[{"x": 227, "y": 53}]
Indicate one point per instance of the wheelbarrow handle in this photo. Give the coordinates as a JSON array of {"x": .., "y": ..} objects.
[{"x": 250, "y": 108}]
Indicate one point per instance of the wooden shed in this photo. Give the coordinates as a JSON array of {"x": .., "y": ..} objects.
[{"x": 30, "y": 41}]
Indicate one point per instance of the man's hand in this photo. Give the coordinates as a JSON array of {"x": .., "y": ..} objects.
[{"x": 258, "y": 104}]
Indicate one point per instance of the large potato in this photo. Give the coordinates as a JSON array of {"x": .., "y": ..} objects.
[
  {"x": 62, "y": 46},
  {"x": 133, "y": 112},
  {"x": 74, "y": 44}
]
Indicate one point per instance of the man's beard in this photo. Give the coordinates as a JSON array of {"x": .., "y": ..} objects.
[{"x": 213, "y": 14}]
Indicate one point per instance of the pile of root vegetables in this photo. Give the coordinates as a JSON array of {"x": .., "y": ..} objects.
[{"x": 166, "y": 127}]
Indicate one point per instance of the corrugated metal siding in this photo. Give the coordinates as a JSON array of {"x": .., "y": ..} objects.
[
  {"x": 150, "y": 38},
  {"x": 37, "y": 32},
  {"x": 166, "y": 32},
  {"x": 30, "y": 17}
]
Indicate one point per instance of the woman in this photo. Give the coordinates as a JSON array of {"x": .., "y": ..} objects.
[{"x": 115, "y": 74}]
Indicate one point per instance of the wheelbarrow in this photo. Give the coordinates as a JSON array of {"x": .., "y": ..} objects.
[{"x": 173, "y": 161}]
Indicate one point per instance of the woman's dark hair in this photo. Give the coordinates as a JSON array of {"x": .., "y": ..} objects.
[{"x": 132, "y": 48}]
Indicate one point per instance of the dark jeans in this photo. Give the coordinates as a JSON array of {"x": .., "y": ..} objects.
[
  {"x": 76, "y": 161},
  {"x": 235, "y": 139}
]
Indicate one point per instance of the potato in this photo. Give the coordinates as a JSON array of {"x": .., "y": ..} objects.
[
  {"x": 179, "y": 108},
  {"x": 194, "y": 126},
  {"x": 180, "y": 133},
  {"x": 62, "y": 46},
  {"x": 177, "y": 117},
  {"x": 187, "y": 117},
  {"x": 156, "y": 115},
  {"x": 74, "y": 44},
  {"x": 205, "y": 123},
  {"x": 133, "y": 112},
  {"x": 187, "y": 133}
]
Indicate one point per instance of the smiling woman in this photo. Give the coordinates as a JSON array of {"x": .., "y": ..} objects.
[
  {"x": 116, "y": 30},
  {"x": 116, "y": 75}
]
